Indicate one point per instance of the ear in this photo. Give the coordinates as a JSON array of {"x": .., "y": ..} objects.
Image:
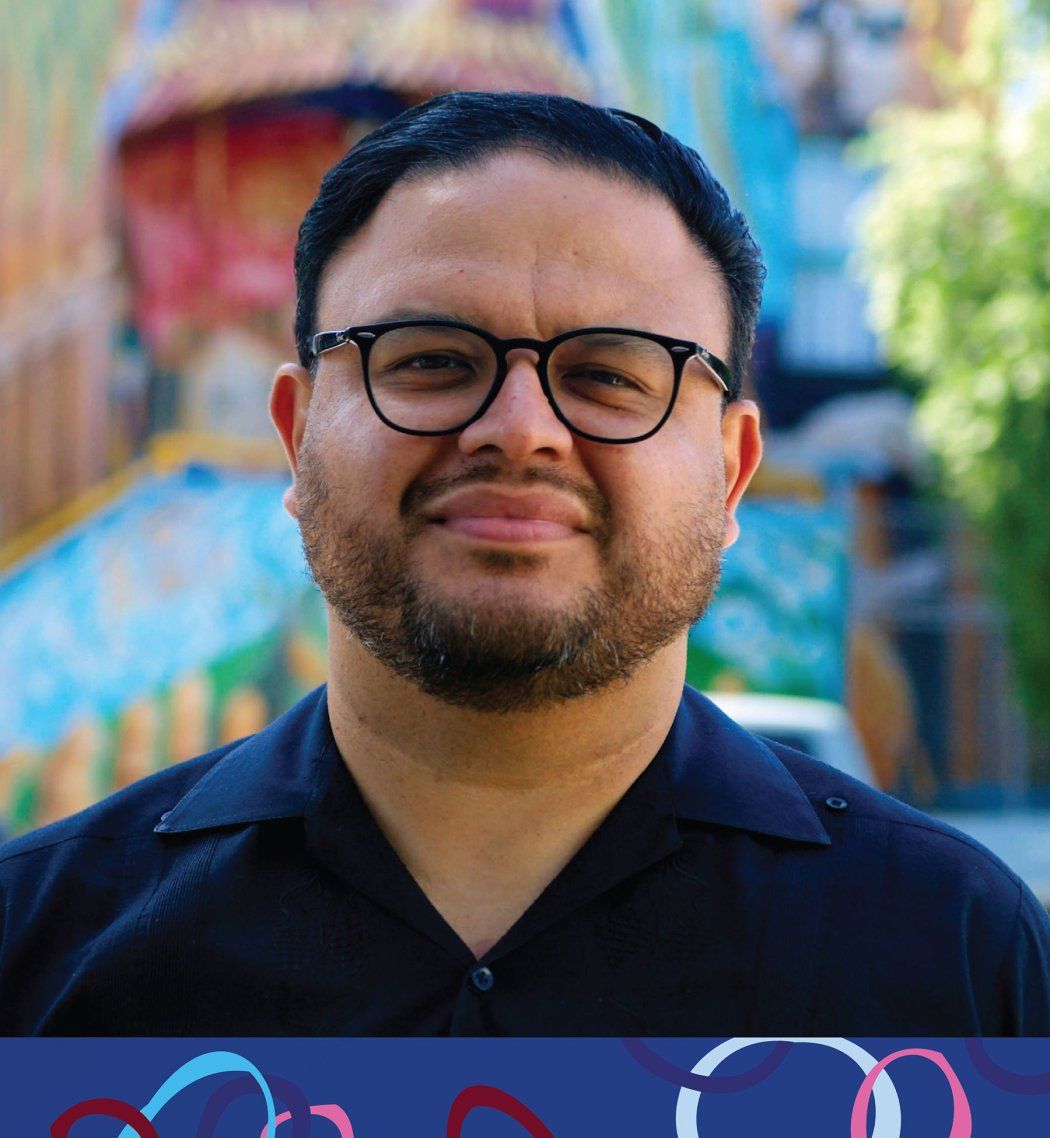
[
  {"x": 289, "y": 403},
  {"x": 742, "y": 451}
]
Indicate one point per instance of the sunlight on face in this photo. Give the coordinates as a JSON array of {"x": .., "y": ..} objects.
[{"x": 515, "y": 564}]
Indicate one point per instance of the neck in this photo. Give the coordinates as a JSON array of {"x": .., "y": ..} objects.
[{"x": 486, "y": 808}]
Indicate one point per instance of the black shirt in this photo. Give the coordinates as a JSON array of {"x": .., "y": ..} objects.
[{"x": 738, "y": 887}]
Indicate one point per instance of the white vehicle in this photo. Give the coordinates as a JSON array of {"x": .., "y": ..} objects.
[{"x": 819, "y": 727}]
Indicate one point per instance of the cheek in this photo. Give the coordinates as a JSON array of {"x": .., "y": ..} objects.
[
  {"x": 347, "y": 433},
  {"x": 368, "y": 464},
  {"x": 665, "y": 478}
]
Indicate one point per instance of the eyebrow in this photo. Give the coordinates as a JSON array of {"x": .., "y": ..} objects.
[
  {"x": 424, "y": 314},
  {"x": 409, "y": 313}
]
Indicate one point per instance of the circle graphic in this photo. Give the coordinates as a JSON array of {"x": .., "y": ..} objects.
[
  {"x": 887, "y": 1104},
  {"x": 228, "y": 1093},
  {"x": 335, "y": 1114},
  {"x": 210, "y": 1063},
  {"x": 493, "y": 1097},
  {"x": 662, "y": 1068},
  {"x": 107, "y": 1108},
  {"x": 962, "y": 1120},
  {"x": 1010, "y": 1081}
]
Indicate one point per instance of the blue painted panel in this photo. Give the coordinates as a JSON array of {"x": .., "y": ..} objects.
[{"x": 178, "y": 572}]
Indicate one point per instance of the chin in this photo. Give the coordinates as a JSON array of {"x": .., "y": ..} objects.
[{"x": 522, "y": 595}]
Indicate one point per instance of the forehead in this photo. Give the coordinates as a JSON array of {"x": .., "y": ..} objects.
[{"x": 527, "y": 246}]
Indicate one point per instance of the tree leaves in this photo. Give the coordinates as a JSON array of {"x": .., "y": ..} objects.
[{"x": 956, "y": 248}]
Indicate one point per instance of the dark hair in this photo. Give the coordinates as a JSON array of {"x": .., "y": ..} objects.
[{"x": 457, "y": 130}]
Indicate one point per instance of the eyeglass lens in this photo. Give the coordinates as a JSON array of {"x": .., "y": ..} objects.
[{"x": 435, "y": 378}]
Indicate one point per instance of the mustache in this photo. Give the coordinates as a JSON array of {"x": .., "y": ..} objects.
[{"x": 420, "y": 493}]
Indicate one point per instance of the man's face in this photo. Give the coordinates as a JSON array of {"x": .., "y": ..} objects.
[{"x": 515, "y": 564}]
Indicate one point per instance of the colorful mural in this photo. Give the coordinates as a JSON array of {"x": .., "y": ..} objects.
[
  {"x": 177, "y": 617},
  {"x": 58, "y": 283},
  {"x": 214, "y": 54},
  {"x": 778, "y": 623},
  {"x": 136, "y": 178},
  {"x": 226, "y": 117},
  {"x": 211, "y": 211},
  {"x": 696, "y": 68},
  {"x": 839, "y": 60}
]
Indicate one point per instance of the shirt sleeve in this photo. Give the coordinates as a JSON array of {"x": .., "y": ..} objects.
[{"x": 1024, "y": 977}]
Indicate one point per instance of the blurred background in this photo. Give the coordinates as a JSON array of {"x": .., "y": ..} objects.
[{"x": 888, "y": 606}]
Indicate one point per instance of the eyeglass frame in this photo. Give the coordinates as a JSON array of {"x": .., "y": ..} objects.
[{"x": 364, "y": 337}]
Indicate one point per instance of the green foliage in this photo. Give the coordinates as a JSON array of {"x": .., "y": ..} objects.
[{"x": 956, "y": 248}]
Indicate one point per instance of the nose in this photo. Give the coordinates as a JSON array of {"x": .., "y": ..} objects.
[{"x": 520, "y": 422}]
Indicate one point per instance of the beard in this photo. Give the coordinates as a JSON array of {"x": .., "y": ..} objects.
[{"x": 505, "y": 654}]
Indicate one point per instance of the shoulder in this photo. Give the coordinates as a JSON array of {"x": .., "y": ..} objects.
[
  {"x": 259, "y": 776},
  {"x": 114, "y": 849},
  {"x": 863, "y": 831},
  {"x": 71, "y": 894},
  {"x": 85, "y": 902},
  {"x": 930, "y": 892},
  {"x": 911, "y": 868},
  {"x": 864, "y": 821}
]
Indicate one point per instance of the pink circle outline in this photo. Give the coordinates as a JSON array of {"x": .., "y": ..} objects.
[
  {"x": 962, "y": 1120},
  {"x": 334, "y": 1113}
]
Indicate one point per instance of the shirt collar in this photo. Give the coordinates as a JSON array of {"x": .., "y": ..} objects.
[
  {"x": 267, "y": 776},
  {"x": 722, "y": 774},
  {"x": 717, "y": 772}
]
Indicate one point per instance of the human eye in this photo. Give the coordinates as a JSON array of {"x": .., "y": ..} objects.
[
  {"x": 434, "y": 362},
  {"x": 601, "y": 377},
  {"x": 610, "y": 368},
  {"x": 429, "y": 358},
  {"x": 601, "y": 384},
  {"x": 431, "y": 372}
]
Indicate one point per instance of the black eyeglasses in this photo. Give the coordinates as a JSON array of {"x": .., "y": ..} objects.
[{"x": 435, "y": 377}]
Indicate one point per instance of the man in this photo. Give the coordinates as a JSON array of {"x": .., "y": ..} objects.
[{"x": 517, "y": 457}]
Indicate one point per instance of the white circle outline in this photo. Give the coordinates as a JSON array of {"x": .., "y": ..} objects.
[{"x": 884, "y": 1093}]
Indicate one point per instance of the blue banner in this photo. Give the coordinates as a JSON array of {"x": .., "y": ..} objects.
[{"x": 499, "y": 1088}]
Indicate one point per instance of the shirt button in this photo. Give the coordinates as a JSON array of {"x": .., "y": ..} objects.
[
  {"x": 836, "y": 804},
  {"x": 482, "y": 979}
]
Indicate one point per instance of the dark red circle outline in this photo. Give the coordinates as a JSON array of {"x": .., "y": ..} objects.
[
  {"x": 493, "y": 1097},
  {"x": 108, "y": 1108}
]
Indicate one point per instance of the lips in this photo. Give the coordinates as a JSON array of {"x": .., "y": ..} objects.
[{"x": 489, "y": 514}]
